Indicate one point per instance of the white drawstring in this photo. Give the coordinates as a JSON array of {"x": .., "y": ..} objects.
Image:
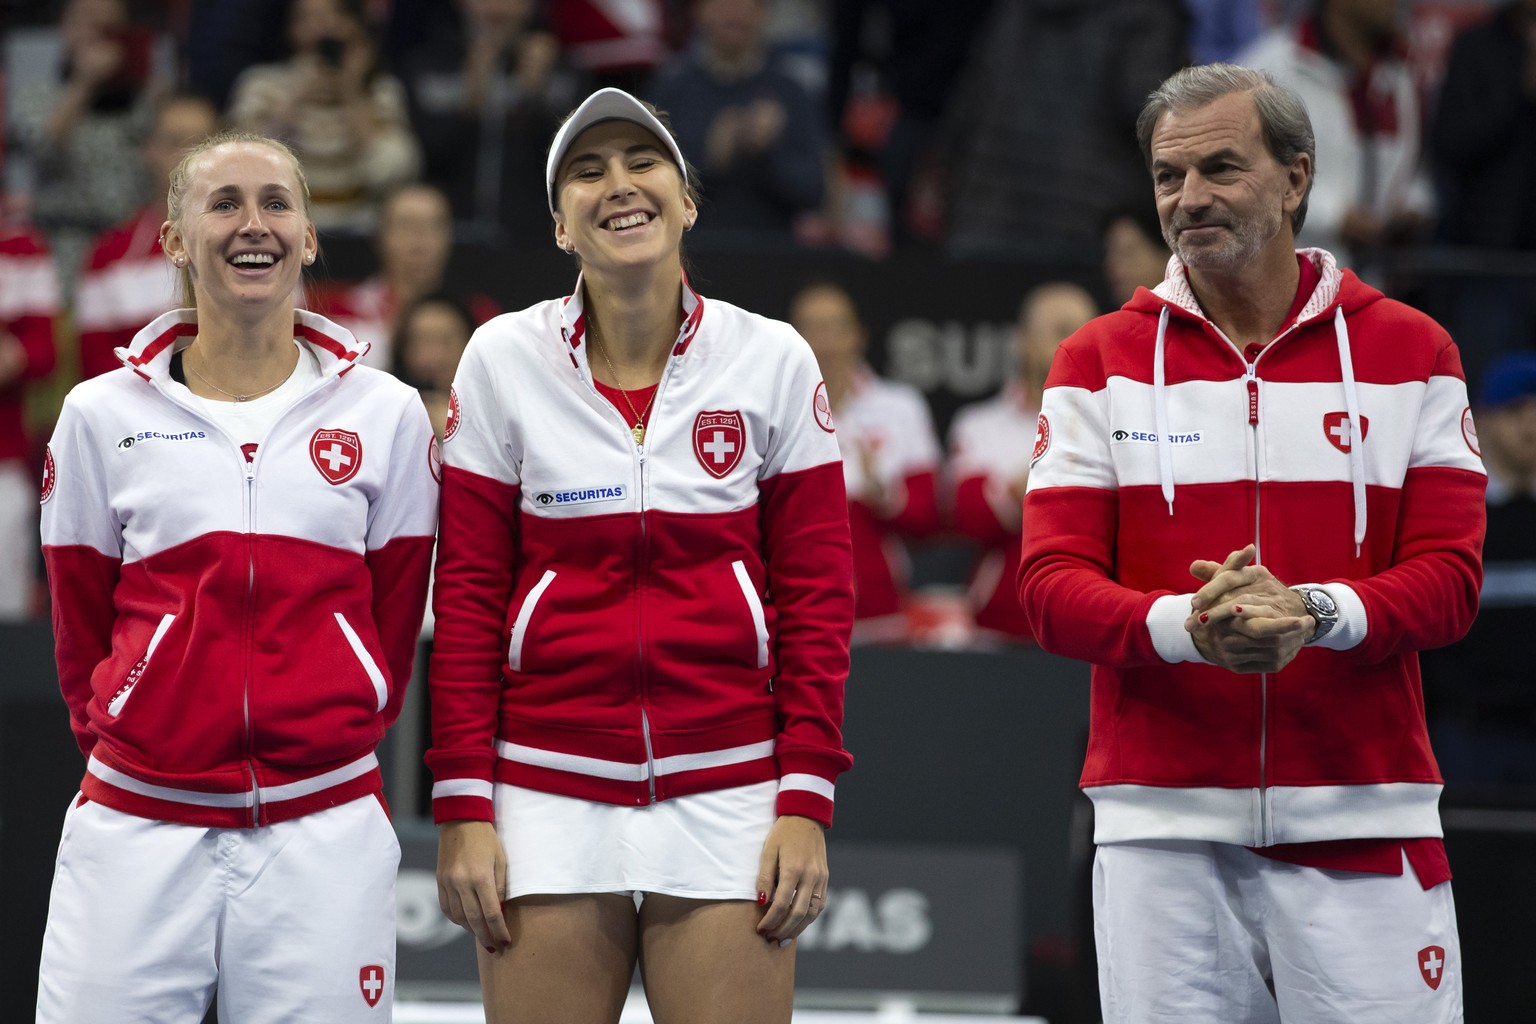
[
  {"x": 1356, "y": 434},
  {"x": 1160, "y": 411}
]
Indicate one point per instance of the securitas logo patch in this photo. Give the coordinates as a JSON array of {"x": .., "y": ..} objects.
[
  {"x": 580, "y": 495},
  {"x": 1175, "y": 437},
  {"x": 132, "y": 440}
]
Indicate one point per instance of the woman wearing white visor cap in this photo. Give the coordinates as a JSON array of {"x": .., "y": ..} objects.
[{"x": 635, "y": 742}]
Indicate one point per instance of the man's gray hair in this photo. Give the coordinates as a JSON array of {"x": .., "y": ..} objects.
[{"x": 1282, "y": 115}]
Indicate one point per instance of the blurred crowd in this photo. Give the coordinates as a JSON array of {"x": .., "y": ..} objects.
[{"x": 972, "y": 129}]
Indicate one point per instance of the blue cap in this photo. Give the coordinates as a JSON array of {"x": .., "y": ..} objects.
[{"x": 1510, "y": 378}]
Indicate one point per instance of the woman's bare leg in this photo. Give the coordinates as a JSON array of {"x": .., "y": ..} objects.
[{"x": 570, "y": 962}]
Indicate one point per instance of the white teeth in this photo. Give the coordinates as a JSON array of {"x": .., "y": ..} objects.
[
  {"x": 254, "y": 258},
  {"x": 634, "y": 219}
]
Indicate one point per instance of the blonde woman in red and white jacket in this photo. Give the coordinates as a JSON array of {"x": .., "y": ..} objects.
[
  {"x": 237, "y": 526},
  {"x": 643, "y": 603}
]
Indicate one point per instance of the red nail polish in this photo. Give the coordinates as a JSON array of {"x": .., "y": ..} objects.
[
  {"x": 1238, "y": 609},
  {"x": 762, "y": 898},
  {"x": 1204, "y": 617}
]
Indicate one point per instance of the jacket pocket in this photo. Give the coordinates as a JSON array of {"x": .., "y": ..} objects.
[
  {"x": 520, "y": 625},
  {"x": 115, "y": 705},
  {"x": 755, "y": 607},
  {"x": 371, "y": 667}
]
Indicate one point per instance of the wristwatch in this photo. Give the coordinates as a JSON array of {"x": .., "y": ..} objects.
[{"x": 1322, "y": 607}]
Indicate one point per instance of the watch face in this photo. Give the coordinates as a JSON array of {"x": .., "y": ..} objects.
[{"x": 1322, "y": 601}]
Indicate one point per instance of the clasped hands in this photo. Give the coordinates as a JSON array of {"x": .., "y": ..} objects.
[{"x": 1244, "y": 619}]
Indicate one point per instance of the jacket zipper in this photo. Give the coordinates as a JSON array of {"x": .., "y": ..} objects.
[
  {"x": 1264, "y": 836},
  {"x": 248, "y": 624},
  {"x": 642, "y": 563},
  {"x": 247, "y": 637}
]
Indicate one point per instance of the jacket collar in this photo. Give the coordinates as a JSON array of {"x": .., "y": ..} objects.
[
  {"x": 573, "y": 323},
  {"x": 149, "y": 353}
]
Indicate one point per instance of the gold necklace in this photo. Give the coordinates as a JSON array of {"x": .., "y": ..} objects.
[
  {"x": 638, "y": 430},
  {"x": 239, "y": 398}
]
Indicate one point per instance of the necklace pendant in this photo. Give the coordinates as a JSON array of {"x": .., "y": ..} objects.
[
  {"x": 241, "y": 398},
  {"x": 638, "y": 430}
]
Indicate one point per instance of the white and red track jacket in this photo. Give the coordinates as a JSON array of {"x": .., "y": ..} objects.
[
  {"x": 29, "y": 300},
  {"x": 125, "y": 283},
  {"x": 627, "y": 624},
  {"x": 1345, "y": 451},
  {"x": 891, "y": 472},
  {"x": 233, "y": 636},
  {"x": 989, "y": 449}
]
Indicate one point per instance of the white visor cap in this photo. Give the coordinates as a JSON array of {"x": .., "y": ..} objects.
[{"x": 606, "y": 105}]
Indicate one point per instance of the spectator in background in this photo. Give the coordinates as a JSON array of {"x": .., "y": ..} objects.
[
  {"x": 915, "y": 61},
  {"x": 428, "y": 342},
  {"x": 126, "y": 281},
  {"x": 757, "y": 134},
  {"x": 617, "y": 43},
  {"x": 890, "y": 458},
  {"x": 1346, "y": 61},
  {"x": 1135, "y": 255},
  {"x": 1041, "y": 131},
  {"x": 1221, "y": 28},
  {"x": 990, "y": 444},
  {"x": 342, "y": 115},
  {"x": 1483, "y": 141},
  {"x": 81, "y": 134},
  {"x": 413, "y": 242},
  {"x": 29, "y": 301},
  {"x": 486, "y": 94},
  {"x": 225, "y": 38},
  {"x": 1478, "y": 694}
]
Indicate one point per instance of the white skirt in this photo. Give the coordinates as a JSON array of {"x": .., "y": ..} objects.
[{"x": 706, "y": 846}]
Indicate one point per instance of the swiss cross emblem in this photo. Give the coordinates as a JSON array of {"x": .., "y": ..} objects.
[
  {"x": 337, "y": 454},
  {"x": 1432, "y": 965},
  {"x": 50, "y": 474},
  {"x": 718, "y": 438},
  {"x": 1336, "y": 429},
  {"x": 1042, "y": 438},
  {"x": 371, "y": 980},
  {"x": 451, "y": 425}
]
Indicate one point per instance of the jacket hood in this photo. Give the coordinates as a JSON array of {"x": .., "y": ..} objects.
[
  {"x": 1338, "y": 291},
  {"x": 149, "y": 353},
  {"x": 1336, "y": 283}
]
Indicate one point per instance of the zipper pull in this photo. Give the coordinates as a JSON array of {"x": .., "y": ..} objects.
[
  {"x": 1253, "y": 398},
  {"x": 640, "y": 450}
]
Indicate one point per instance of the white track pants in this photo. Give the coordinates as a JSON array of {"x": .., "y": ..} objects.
[
  {"x": 1195, "y": 932},
  {"x": 290, "y": 923}
]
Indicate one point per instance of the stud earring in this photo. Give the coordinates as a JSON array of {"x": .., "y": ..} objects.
[
  {"x": 181, "y": 261},
  {"x": 309, "y": 258}
]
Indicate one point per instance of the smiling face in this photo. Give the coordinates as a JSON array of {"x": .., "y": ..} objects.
[
  {"x": 240, "y": 226},
  {"x": 620, "y": 200},
  {"x": 1222, "y": 197}
]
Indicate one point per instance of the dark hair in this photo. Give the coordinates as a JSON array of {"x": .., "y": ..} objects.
[
  {"x": 1283, "y": 116},
  {"x": 454, "y": 302},
  {"x": 1142, "y": 215}
]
